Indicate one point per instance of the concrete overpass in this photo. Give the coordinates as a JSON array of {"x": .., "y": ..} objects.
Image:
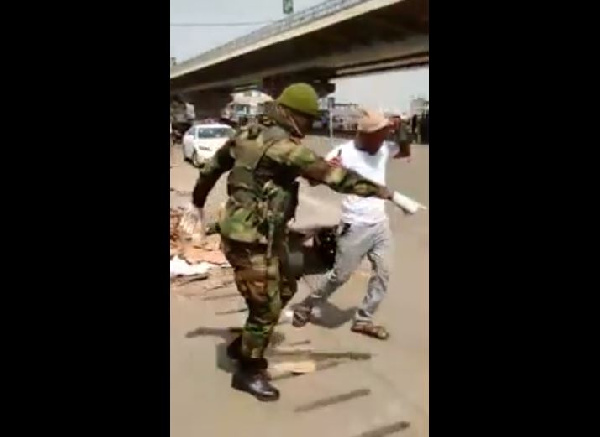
[{"x": 335, "y": 39}]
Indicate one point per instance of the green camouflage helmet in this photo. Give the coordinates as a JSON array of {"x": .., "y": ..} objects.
[{"x": 300, "y": 97}]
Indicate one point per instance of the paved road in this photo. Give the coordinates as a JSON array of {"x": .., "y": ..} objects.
[{"x": 389, "y": 388}]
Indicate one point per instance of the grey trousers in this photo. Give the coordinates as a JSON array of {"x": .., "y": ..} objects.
[{"x": 354, "y": 242}]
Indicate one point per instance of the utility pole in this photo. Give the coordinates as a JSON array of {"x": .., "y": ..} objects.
[
  {"x": 288, "y": 7},
  {"x": 331, "y": 105}
]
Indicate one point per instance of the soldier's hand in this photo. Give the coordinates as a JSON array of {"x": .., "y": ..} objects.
[
  {"x": 192, "y": 222},
  {"x": 335, "y": 161}
]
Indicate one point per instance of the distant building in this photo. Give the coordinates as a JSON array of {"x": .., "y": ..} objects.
[
  {"x": 246, "y": 104},
  {"x": 344, "y": 116},
  {"x": 326, "y": 103},
  {"x": 418, "y": 106},
  {"x": 173, "y": 62}
]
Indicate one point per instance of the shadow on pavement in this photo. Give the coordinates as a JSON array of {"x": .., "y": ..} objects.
[
  {"x": 227, "y": 335},
  {"x": 204, "y": 331},
  {"x": 222, "y": 360},
  {"x": 332, "y": 317}
]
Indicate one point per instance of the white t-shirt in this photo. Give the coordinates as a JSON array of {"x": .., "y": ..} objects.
[{"x": 364, "y": 210}]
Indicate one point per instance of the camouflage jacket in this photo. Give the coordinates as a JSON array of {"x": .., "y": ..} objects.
[{"x": 264, "y": 162}]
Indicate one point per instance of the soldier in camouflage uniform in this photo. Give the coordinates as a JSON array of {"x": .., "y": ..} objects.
[{"x": 264, "y": 161}]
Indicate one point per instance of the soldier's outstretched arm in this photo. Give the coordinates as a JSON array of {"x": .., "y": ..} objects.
[
  {"x": 314, "y": 168},
  {"x": 210, "y": 172}
]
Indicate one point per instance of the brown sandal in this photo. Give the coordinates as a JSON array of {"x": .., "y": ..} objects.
[{"x": 370, "y": 330}]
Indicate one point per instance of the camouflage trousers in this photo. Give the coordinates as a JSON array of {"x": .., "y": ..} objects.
[{"x": 265, "y": 285}]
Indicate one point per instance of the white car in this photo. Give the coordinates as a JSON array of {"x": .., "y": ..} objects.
[{"x": 202, "y": 141}]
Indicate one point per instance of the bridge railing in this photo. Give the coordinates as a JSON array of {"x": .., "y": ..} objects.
[{"x": 290, "y": 22}]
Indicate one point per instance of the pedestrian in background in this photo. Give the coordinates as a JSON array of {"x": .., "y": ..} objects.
[
  {"x": 426, "y": 127},
  {"x": 414, "y": 125}
]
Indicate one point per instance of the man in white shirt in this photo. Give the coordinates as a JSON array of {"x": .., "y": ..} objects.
[{"x": 364, "y": 229}]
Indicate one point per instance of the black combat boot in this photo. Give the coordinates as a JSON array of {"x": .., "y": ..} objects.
[
  {"x": 234, "y": 350},
  {"x": 252, "y": 378}
]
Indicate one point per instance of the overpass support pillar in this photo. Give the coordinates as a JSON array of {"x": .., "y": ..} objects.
[
  {"x": 323, "y": 87},
  {"x": 209, "y": 104},
  {"x": 274, "y": 86}
]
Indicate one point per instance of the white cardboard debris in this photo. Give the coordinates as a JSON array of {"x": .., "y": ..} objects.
[
  {"x": 180, "y": 267},
  {"x": 286, "y": 316}
]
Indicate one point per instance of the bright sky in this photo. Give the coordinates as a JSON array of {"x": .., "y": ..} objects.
[{"x": 392, "y": 91}]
